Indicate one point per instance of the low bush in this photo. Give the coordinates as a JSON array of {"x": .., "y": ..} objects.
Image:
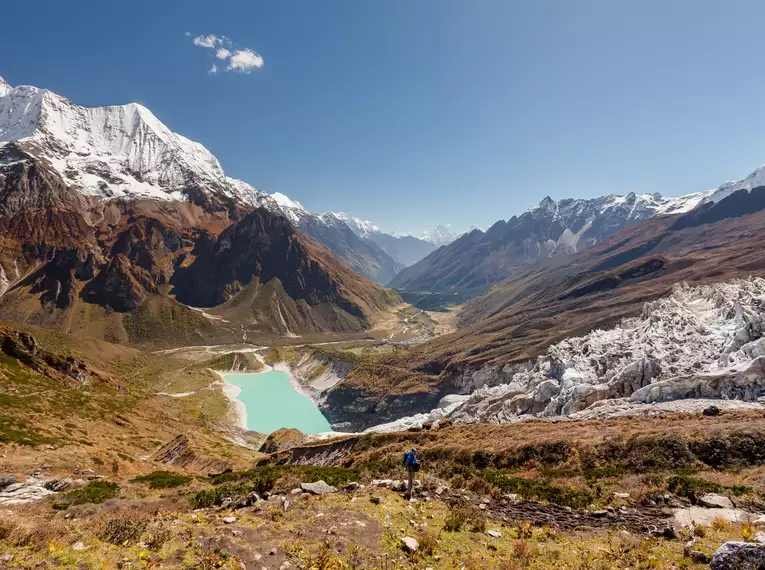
[
  {"x": 462, "y": 514},
  {"x": 122, "y": 530},
  {"x": 693, "y": 487},
  {"x": 540, "y": 490},
  {"x": 217, "y": 495},
  {"x": 94, "y": 492},
  {"x": 163, "y": 479}
]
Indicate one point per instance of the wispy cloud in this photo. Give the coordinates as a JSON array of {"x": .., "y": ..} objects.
[{"x": 240, "y": 60}]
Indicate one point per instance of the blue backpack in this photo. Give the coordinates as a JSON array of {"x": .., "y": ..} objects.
[{"x": 411, "y": 462}]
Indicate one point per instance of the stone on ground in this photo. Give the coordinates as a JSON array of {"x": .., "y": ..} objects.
[
  {"x": 494, "y": 533},
  {"x": 410, "y": 544},
  {"x": 318, "y": 488},
  {"x": 229, "y": 520},
  {"x": 715, "y": 501}
]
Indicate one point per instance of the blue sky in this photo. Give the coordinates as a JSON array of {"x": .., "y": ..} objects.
[{"x": 419, "y": 112}]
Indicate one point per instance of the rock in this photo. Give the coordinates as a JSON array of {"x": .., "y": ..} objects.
[
  {"x": 286, "y": 504},
  {"x": 738, "y": 556},
  {"x": 375, "y": 500},
  {"x": 78, "y": 546},
  {"x": 382, "y": 483},
  {"x": 410, "y": 544},
  {"x": 25, "y": 492},
  {"x": 286, "y": 564},
  {"x": 397, "y": 485},
  {"x": 58, "y": 485},
  {"x": 482, "y": 506},
  {"x": 296, "y": 491},
  {"x": 510, "y": 496},
  {"x": 494, "y": 533},
  {"x": 715, "y": 501},
  {"x": 699, "y": 557},
  {"x": 6, "y": 480},
  {"x": 272, "y": 552},
  {"x": 600, "y": 513},
  {"x": 760, "y": 538},
  {"x": 711, "y": 411},
  {"x": 229, "y": 520},
  {"x": 318, "y": 488},
  {"x": 440, "y": 490},
  {"x": 353, "y": 486},
  {"x": 236, "y": 533},
  {"x": 6, "y": 557},
  {"x": 621, "y": 495}
]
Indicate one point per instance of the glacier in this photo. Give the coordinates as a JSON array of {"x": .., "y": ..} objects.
[{"x": 702, "y": 344}]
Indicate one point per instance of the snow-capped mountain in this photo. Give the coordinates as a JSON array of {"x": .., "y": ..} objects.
[
  {"x": 124, "y": 151},
  {"x": 105, "y": 205},
  {"x": 115, "y": 151},
  {"x": 440, "y": 235},
  {"x": 474, "y": 261},
  {"x": 754, "y": 180},
  {"x": 362, "y": 228}
]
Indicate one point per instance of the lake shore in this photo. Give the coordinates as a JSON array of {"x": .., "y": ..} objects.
[{"x": 238, "y": 408}]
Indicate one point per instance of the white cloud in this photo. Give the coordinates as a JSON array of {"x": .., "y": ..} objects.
[
  {"x": 207, "y": 41},
  {"x": 241, "y": 60},
  {"x": 244, "y": 60}
]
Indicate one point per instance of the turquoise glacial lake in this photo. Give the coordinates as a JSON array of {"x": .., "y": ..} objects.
[{"x": 272, "y": 403}]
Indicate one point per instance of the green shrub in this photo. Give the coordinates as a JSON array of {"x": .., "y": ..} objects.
[
  {"x": 94, "y": 492},
  {"x": 163, "y": 479},
  {"x": 540, "y": 490},
  {"x": 215, "y": 496},
  {"x": 462, "y": 514},
  {"x": 692, "y": 487}
]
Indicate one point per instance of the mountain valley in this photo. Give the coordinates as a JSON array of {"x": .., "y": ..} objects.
[{"x": 588, "y": 372}]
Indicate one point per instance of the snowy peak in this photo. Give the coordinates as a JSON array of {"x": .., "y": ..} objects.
[
  {"x": 114, "y": 151},
  {"x": 4, "y": 87},
  {"x": 754, "y": 180},
  {"x": 440, "y": 235},
  {"x": 362, "y": 228}
]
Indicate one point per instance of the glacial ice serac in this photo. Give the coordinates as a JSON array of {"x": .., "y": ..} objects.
[{"x": 702, "y": 342}]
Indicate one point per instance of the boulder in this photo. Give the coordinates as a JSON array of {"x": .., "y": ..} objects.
[
  {"x": 318, "y": 488},
  {"x": 494, "y": 533},
  {"x": 738, "y": 556},
  {"x": 715, "y": 501},
  {"x": 229, "y": 520},
  {"x": 410, "y": 544},
  {"x": 711, "y": 411}
]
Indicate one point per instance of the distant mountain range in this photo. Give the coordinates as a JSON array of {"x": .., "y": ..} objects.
[{"x": 476, "y": 260}]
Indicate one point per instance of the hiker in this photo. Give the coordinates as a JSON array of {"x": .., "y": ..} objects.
[{"x": 412, "y": 463}]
